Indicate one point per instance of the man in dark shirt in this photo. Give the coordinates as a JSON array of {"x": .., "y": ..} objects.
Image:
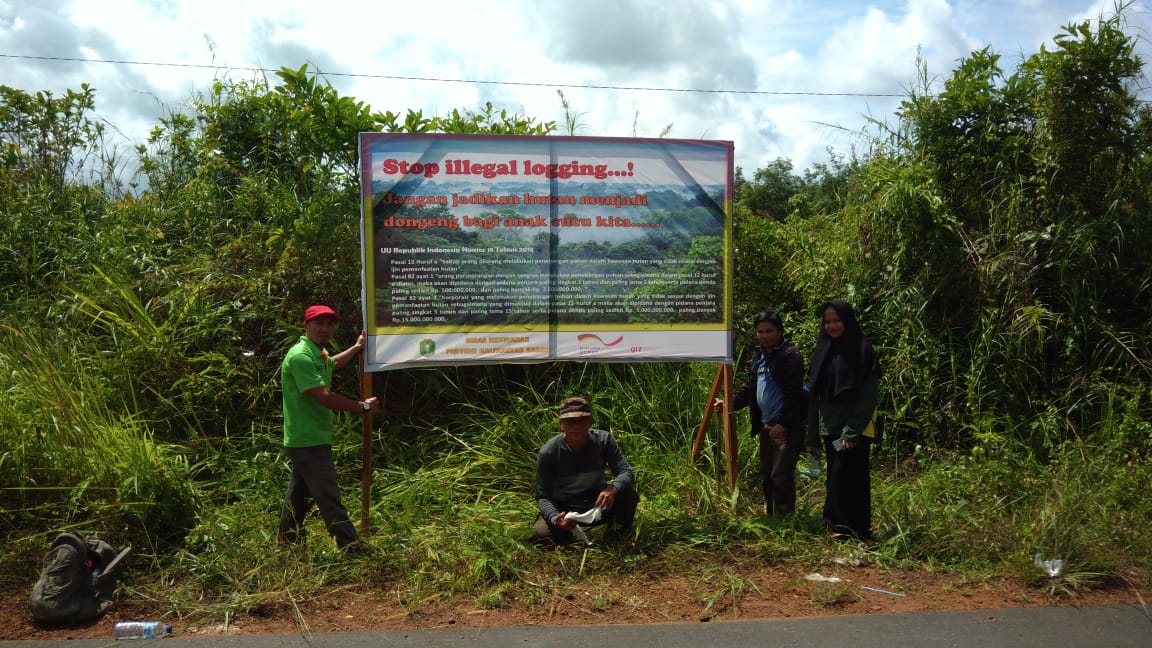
[{"x": 570, "y": 478}]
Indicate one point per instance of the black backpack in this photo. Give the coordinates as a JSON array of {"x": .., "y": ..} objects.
[{"x": 78, "y": 580}]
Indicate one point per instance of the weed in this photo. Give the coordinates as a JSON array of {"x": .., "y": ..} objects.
[
  {"x": 492, "y": 599},
  {"x": 834, "y": 595},
  {"x": 602, "y": 601},
  {"x": 733, "y": 589}
]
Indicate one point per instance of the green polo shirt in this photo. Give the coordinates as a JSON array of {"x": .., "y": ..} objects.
[{"x": 307, "y": 423}]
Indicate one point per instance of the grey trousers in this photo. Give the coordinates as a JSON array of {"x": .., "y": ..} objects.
[{"x": 313, "y": 479}]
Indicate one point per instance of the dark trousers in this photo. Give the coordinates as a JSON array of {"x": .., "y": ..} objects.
[
  {"x": 622, "y": 515},
  {"x": 314, "y": 480},
  {"x": 848, "y": 502},
  {"x": 778, "y": 459}
]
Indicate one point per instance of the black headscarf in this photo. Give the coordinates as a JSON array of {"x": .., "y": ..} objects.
[{"x": 839, "y": 365}]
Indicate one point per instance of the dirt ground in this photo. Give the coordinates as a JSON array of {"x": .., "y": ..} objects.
[{"x": 773, "y": 593}]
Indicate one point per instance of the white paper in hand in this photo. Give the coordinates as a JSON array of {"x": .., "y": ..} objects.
[{"x": 587, "y": 517}]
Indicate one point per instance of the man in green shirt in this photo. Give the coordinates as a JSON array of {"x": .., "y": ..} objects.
[{"x": 309, "y": 415}]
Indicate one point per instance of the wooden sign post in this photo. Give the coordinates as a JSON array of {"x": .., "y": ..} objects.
[
  {"x": 721, "y": 383},
  {"x": 365, "y": 449}
]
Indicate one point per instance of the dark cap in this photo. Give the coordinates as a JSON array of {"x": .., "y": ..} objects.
[
  {"x": 575, "y": 407},
  {"x": 319, "y": 311}
]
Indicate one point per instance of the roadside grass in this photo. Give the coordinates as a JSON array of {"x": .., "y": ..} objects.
[
  {"x": 451, "y": 501},
  {"x": 434, "y": 541}
]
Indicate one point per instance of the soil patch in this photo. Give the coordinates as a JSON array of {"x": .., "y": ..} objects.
[{"x": 772, "y": 593}]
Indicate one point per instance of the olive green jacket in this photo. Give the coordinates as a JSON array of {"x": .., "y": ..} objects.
[{"x": 845, "y": 417}]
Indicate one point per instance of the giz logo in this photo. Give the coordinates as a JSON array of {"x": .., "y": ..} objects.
[
  {"x": 587, "y": 339},
  {"x": 427, "y": 347}
]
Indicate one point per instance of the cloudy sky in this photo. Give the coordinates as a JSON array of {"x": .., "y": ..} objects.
[{"x": 779, "y": 78}]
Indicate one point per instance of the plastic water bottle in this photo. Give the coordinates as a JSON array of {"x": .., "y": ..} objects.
[{"x": 140, "y": 629}]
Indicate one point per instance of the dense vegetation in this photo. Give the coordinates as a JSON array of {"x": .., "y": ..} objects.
[{"x": 994, "y": 238}]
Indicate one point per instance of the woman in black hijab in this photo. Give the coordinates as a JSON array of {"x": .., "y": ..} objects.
[{"x": 844, "y": 379}]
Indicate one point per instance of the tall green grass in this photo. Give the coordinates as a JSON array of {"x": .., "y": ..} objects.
[
  {"x": 69, "y": 460},
  {"x": 451, "y": 500}
]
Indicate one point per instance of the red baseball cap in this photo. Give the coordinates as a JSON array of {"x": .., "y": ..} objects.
[{"x": 319, "y": 311}]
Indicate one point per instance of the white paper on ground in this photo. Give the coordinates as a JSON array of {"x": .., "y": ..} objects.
[{"x": 821, "y": 578}]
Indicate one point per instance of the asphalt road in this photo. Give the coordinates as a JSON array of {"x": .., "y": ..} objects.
[{"x": 1117, "y": 626}]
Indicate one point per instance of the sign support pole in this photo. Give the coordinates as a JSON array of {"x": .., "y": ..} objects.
[
  {"x": 365, "y": 449},
  {"x": 722, "y": 383}
]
